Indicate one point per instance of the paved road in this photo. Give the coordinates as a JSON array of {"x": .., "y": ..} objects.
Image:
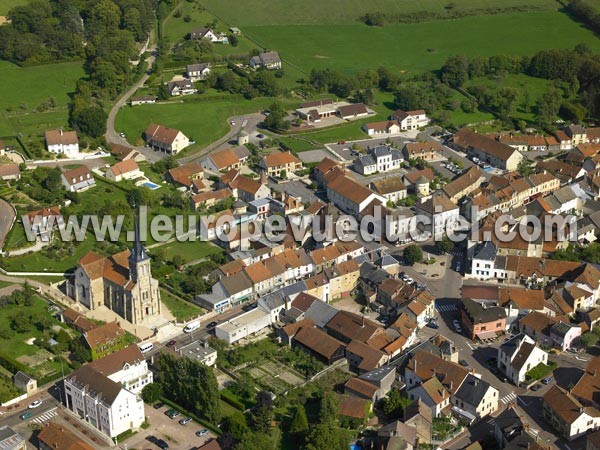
[
  {"x": 112, "y": 137},
  {"x": 247, "y": 122},
  {"x": 7, "y": 218}
]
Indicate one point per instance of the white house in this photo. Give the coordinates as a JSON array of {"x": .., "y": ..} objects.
[
  {"x": 181, "y": 87},
  {"x": 124, "y": 170},
  {"x": 442, "y": 213},
  {"x": 475, "y": 399},
  {"x": 411, "y": 120},
  {"x": 381, "y": 128},
  {"x": 350, "y": 196},
  {"x": 103, "y": 403},
  {"x": 567, "y": 415},
  {"x": 79, "y": 179},
  {"x": 433, "y": 394},
  {"x": 519, "y": 355},
  {"x": 198, "y": 71},
  {"x": 204, "y": 33},
  {"x": 380, "y": 159},
  {"x": 165, "y": 139},
  {"x": 62, "y": 142},
  {"x": 267, "y": 60},
  {"x": 128, "y": 367}
]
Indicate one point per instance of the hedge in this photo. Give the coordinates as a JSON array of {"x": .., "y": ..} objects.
[{"x": 228, "y": 397}]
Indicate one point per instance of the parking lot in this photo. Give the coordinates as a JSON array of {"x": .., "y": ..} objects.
[{"x": 178, "y": 437}]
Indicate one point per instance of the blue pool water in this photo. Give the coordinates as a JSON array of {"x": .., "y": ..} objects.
[
  {"x": 354, "y": 447},
  {"x": 151, "y": 185}
]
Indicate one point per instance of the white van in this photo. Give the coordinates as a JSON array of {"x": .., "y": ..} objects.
[
  {"x": 191, "y": 327},
  {"x": 144, "y": 348}
]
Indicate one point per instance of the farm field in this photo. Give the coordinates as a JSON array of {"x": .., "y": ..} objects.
[
  {"x": 203, "y": 121},
  {"x": 284, "y": 12},
  {"x": 419, "y": 46}
]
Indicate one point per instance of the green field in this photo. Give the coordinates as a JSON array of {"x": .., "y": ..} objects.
[
  {"x": 176, "y": 29},
  {"x": 285, "y": 12},
  {"x": 7, "y": 5},
  {"x": 420, "y": 46},
  {"x": 189, "y": 251},
  {"x": 181, "y": 309},
  {"x": 24, "y": 88},
  {"x": 203, "y": 121}
]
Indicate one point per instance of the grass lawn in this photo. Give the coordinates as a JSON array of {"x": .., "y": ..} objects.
[
  {"x": 40, "y": 261},
  {"x": 284, "y": 12},
  {"x": 42, "y": 82},
  {"x": 189, "y": 251},
  {"x": 181, "y": 309},
  {"x": 16, "y": 346},
  {"x": 176, "y": 29},
  {"x": 7, "y": 5},
  {"x": 420, "y": 46},
  {"x": 203, "y": 121}
]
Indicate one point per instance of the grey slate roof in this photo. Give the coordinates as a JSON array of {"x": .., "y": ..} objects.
[
  {"x": 481, "y": 313},
  {"x": 320, "y": 313},
  {"x": 487, "y": 251},
  {"x": 380, "y": 150},
  {"x": 472, "y": 391},
  {"x": 561, "y": 328},
  {"x": 10, "y": 439},
  {"x": 365, "y": 160}
]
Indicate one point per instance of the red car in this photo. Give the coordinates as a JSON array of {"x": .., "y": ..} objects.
[
  {"x": 341, "y": 142},
  {"x": 171, "y": 343}
]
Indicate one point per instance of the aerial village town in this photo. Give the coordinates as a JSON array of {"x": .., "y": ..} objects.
[{"x": 425, "y": 329}]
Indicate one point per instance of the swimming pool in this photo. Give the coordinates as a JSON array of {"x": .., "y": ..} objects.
[{"x": 151, "y": 185}]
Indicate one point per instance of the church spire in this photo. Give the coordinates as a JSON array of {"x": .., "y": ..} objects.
[{"x": 138, "y": 252}]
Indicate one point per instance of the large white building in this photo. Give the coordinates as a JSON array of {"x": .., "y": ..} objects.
[
  {"x": 128, "y": 367},
  {"x": 62, "y": 142},
  {"x": 103, "y": 403},
  {"x": 244, "y": 325},
  {"x": 442, "y": 213}
]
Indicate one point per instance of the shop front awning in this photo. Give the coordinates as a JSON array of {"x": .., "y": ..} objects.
[{"x": 486, "y": 335}]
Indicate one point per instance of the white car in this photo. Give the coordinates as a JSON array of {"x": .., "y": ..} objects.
[
  {"x": 122, "y": 135},
  {"x": 232, "y": 122},
  {"x": 35, "y": 404}
]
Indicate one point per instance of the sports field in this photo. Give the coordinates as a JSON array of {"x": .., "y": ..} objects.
[
  {"x": 286, "y": 12},
  {"x": 420, "y": 46}
]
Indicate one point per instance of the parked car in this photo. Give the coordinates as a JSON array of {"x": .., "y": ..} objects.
[
  {"x": 122, "y": 135},
  {"x": 463, "y": 363},
  {"x": 172, "y": 413},
  {"x": 185, "y": 421},
  {"x": 202, "y": 432},
  {"x": 547, "y": 380},
  {"x": 162, "y": 444},
  {"x": 433, "y": 324},
  {"x": 211, "y": 324},
  {"x": 171, "y": 343},
  {"x": 35, "y": 404},
  {"x": 158, "y": 405},
  {"x": 457, "y": 326},
  {"x": 260, "y": 136},
  {"x": 536, "y": 387},
  {"x": 232, "y": 122},
  {"x": 341, "y": 142},
  {"x": 25, "y": 415}
]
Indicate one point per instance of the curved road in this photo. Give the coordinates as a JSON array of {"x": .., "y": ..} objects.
[
  {"x": 7, "y": 219},
  {"x": 112, "y": 137}
]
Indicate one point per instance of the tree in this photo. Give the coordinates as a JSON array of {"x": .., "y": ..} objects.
[
  {"x": 324, "y": 437},
  {"x": 392, "y": 405},
  {"x": 91, "y": 121},
  {"x": 328, "y": 409},
  {"x": 588, "y": 339},
  {"x": 190, "y": 384},
  {"x": 236, "y": 425},
  {"x": 283, "y": 174},
  {"x": 525, "y": 168},
  {"x": 456, "y": 71},
  {"x": 152, "y": 392},
  {"x": 299, "y": 424},
  {"x": 262, "y": 413},
  {"x": 444, "y": 245},
  {"x": 413, "y": 254}
]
